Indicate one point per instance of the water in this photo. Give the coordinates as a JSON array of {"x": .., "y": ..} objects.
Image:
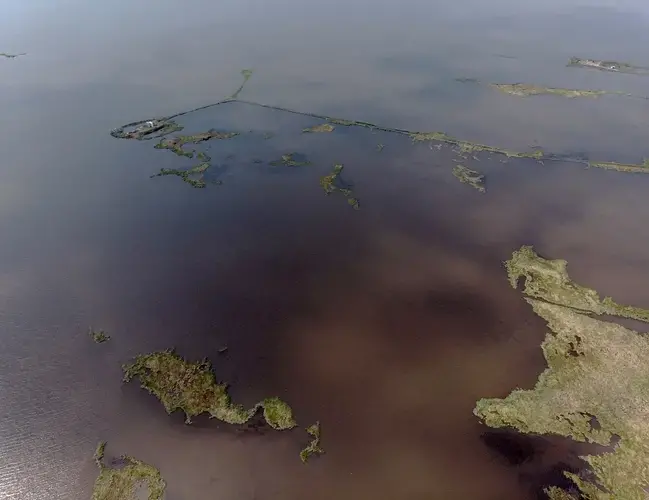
[{"x": 387, "y": 323}]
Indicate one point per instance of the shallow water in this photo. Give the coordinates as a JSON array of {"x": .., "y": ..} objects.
[{"x": 387, "y": 323}]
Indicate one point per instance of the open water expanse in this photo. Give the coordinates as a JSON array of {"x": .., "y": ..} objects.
[{"x": 385, "y": 323}]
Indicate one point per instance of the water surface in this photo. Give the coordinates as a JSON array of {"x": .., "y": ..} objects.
[{"x": 387, "y": 323}]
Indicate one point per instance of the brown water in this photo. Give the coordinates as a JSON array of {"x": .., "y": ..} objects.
[{"x": 386, "y": 324}]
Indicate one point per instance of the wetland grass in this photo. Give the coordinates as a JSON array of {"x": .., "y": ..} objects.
[
  {"x": 192, "y": 387},
  {"x": 124, "y": 481},
  {"x": 332, "y": 182},
  {"x": 595, "y": 388},
  {"x": 313, "y": 448},
  {"x": 99, "y": 336},
  {"x": 471, "y": 177}
]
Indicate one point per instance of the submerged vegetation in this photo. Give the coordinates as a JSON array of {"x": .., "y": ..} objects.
[
  {"x": 470, "y": 177},
  {"x": 124, "y": 481},
  {"x": 333, "y": 182},
  {"x": 595, "y": 388},
  {"x": 313, "y": 448},
  {"x": 192, "y": 388},
  {"x": 99, "y": 336}
]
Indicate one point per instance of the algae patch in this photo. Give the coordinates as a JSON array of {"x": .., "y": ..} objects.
[
  {"x": 322, "y": 128},
  {"x": 596, "y": 386},
  {"x": 467, "y": 176},
  {"x": 333, "y": 182},
  {"x": 99, "y": 336},
  {"x": 123, "y": 481},
  {"x": 313, "y": 448},
  {"x": 192, "y": 388}
]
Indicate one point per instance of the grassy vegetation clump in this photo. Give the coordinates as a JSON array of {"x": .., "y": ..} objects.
[
  {"x": 278, "y": 414},
  {"x": 331, "y": 183},
  {"x": 525, "y": 90},
  {"x": 470, "y": 177},
  {"x": 641, "y": 168},
  {"x": 313, "y": 448},
  {"x": 614, "y": 66},
  {"x": 124, "y": 481},
  {"x": 193, "y": 176},
  {"x": 548, "y": 280},
  {"x": 176, "y": 144},
  {"x": 192, "y": 388},
  {"x": 467, "y": 147},
  {"x": 290, "y": 160},
  {"x": 99, "y": 336},
  {"x": 596, "y": 386},
  {"x": 322, "y": 128}
]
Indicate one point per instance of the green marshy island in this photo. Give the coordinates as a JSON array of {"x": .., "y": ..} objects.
[
  {"x": 332, "y": 182},
  {"x": 471, "y": 177},
  {"x": 596, "y": 386},
  {"x": 125, "y": 480},
  {"x": 99, "y": 336},
  {"x": 192, "y": 388}
]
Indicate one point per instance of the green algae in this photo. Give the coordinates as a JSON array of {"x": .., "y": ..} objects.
[
  {"x": 176, "y": 144},
  {"x": 290, "y": 160},
  {"x": 596, "y": 386},
  {"x": 124, "y": 481},
  {"x": 470, "y": 177},
  {"x": 313, "y": 448},
  {"x": 192, "y": 388},
  {"x": 613, "y": 66},
  {"x": 193, "y": 176},
  {"x": 525, "y": 90},
  {"x": 322, "y": 128},
  {"x": 332, "y": 182},
  {"x": 548, "y": 280},
  {"x": 99, "y": 336}
]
